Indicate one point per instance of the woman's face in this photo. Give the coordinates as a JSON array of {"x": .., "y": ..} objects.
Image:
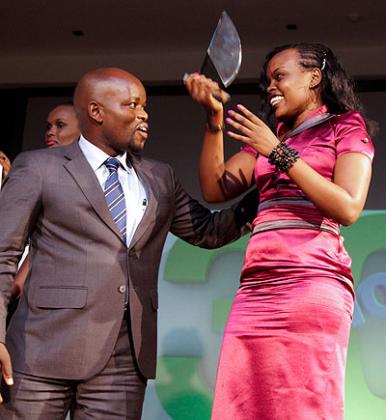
[
  {"x": 62, "y": 126},
  {"x": 292, "y": 90}
]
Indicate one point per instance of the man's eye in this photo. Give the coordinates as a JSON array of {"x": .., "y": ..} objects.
[
  {"x": 60, "y": 125},
  {"x": 133, "y": 105}
]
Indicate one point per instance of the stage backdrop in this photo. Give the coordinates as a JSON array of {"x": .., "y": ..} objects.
[{"x": 196, "y": 286}]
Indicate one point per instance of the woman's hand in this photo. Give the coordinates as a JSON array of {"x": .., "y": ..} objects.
[
  {"x": 206, "y": 92},
  {"x": 252, "y": 130}
]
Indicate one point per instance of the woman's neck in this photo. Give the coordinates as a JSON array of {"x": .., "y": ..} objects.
[{"x": 284, "y": 126}]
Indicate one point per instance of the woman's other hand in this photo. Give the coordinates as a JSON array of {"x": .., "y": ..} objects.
[{"x": 251, "y": 130}]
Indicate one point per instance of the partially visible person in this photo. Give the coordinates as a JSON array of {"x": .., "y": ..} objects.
[
  {"x": 285, "y": 343},
  {"x": 5, "y": 163},
  {"x": 5, "y": 166},
  {"x": 62, "y": 126}
]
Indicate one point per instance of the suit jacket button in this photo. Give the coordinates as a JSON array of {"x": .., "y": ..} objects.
[{"x": 122, "y": 288}]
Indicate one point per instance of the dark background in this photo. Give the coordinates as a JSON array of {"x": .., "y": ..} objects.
[{"x": 46, "y": 45}]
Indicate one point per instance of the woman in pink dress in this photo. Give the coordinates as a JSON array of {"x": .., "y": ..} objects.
[{"x": 284, "y": 348}]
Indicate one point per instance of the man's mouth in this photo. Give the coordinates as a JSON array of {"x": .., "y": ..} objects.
[
  {"x": 143, "y": 129},
  {"x": 275, "y": 100}
]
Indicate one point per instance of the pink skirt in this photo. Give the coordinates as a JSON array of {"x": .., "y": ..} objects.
[{"x": 284, "y": 351}]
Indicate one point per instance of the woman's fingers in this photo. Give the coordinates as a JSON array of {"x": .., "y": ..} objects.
[
  {"x": 249, "y": 115},
  {"x": 199, "y": 83},
  {"x": 205, "y": 90},
  {"x": 239, "y": 137},
  {"x": 241, "y": 124},
  {"x": 240, "y": 119}
]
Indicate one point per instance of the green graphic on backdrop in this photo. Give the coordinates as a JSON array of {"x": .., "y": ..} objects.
[
  {"x": 180, "y": 385},
  {"x": 181, "y": 390},
  {"x": 366, "y": 364}
]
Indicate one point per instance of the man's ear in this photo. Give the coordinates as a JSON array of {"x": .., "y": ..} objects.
[
  {"x": 316, "y": 78},
  {"x": 95, "y": 111}
]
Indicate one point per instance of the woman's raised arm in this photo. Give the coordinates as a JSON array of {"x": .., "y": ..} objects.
[{"x": 219, "y": 180}]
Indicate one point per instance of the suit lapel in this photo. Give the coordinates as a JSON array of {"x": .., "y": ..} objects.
[
  {"x": 79, "y": 168},
  {"x": 149, "y": 218}
]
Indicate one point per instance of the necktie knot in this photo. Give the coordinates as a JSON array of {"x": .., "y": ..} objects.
[{"x": 112, "y": 164}]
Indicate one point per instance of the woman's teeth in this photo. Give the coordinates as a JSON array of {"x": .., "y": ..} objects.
[{"x": 276, "y": 99}]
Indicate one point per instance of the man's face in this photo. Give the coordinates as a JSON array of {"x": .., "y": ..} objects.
[{"x": 124, "y": 119}]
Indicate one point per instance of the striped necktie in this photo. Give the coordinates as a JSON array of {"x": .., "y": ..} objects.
[{"x": 115, "y": 198}]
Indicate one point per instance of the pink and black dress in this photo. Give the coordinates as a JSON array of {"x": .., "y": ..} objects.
[{"x": 285, "y": 343}]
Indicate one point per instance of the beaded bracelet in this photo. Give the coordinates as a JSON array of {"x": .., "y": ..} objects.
[{"x": 283, "y": 157}]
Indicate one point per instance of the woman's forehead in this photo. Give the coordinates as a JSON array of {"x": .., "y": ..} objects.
[{"x": 284, "y": 58}]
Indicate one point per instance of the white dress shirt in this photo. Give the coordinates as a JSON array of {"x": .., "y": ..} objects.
[{"x": 133, "y": 189}]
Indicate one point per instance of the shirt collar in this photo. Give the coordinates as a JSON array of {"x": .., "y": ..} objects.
[
  {"x": 282, "y": 129},
  {"x": 97, "y": 157}
]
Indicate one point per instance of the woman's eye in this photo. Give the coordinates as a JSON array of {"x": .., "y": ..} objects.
[
  {"x": 279, "y": 76},
  {"x": 60, "y": 125}
]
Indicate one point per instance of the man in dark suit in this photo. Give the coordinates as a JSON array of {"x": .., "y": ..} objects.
[{"x": 96, "y": 215}]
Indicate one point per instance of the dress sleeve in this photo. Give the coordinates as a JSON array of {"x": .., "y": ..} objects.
[
  {"x": 351, "y": 135},
  {"x": 249, "y": 149}
]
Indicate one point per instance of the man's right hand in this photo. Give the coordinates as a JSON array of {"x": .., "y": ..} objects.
[{"x": 6, "y": 366}]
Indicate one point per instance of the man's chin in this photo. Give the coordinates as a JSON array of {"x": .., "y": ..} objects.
[{"x": 136, "y": 147}]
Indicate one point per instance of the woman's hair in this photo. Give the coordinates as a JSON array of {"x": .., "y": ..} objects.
[{"x": 336, "y": 89}]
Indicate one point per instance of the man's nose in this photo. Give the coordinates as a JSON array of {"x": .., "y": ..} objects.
[{"x": 142, "y": 115}]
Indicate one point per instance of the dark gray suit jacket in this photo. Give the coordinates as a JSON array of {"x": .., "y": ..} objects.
[{"x": 68, "y": 319}]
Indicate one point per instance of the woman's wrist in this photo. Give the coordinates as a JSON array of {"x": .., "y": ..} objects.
[
  {"x": 283, "y": 157},
  {"x": 214, "y": 122}
]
